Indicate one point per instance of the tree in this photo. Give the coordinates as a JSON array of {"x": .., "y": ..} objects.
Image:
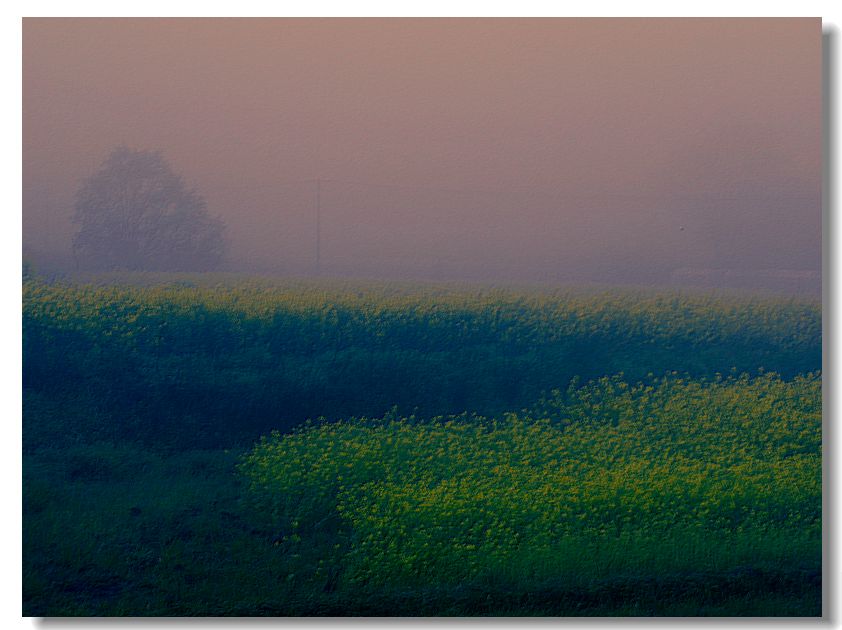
[{"x": 135, "y": 213}]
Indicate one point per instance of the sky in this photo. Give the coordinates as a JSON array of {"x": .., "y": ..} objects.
[{"x": 643, "y": 151}]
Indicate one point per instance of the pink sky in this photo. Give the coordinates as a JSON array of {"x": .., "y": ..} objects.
[{"x": 546, "y": 147}]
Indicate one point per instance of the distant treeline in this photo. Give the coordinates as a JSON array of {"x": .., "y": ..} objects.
[{"x": 186, "y": 366}]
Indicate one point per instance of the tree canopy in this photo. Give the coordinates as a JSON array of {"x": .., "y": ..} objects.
[{"x": 135, "y": 213}]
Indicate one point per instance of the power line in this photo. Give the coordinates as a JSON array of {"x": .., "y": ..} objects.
[
  {"x": 533, "y": 190},
  {"x": 289, "y": 183},
  {"x": 557, "y": 192}
]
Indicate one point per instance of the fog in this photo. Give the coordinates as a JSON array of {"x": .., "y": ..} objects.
[{"x": 564, "y": 150}]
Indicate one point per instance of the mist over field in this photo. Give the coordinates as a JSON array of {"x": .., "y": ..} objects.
[
  {"x": 653, "y": 152},
  {"x": 422, "y": 317}
]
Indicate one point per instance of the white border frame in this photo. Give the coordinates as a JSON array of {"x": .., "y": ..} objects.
[{"x": 10, "y": 233}]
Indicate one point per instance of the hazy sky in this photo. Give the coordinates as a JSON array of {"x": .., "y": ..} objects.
[{"x": 599, "y": 149}]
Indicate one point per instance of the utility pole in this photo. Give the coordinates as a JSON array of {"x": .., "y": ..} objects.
[{"x": 318, "y": 223}]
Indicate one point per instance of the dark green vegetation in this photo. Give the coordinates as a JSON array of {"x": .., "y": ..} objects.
[
  {"x": 668, "y": 490},
  {"x": 209, "y": 367}
]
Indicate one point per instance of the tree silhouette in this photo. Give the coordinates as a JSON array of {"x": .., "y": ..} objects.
[{"x": 135, "y": 213}]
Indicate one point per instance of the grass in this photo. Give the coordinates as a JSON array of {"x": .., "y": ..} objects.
[
  {"x": 148, "y": 491},
  {"x": 202, "y": 367},
  {"x": 167, "y": 541},
  {"x": 673, "y": 478},
  {"x": 121, "y": 530}
]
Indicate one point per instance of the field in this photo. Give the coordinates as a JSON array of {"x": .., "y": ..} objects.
[{"x": 220, "y": 446}]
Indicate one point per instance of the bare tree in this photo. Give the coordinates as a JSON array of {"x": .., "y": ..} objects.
[{"x": 135, "y": 213}]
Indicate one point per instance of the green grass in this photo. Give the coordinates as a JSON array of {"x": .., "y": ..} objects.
[
  {"x": 466, "y": 516},
  {"x": 194, "y": 550},
  {"x": 522, "y": 484},
  {"x": 610, "y": 480},
  {"x": 205, "y": 367},
  {"x": 149, "y": 535}
]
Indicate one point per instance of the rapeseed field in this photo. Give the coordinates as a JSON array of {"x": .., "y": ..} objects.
[{"x": 202, "y": 445}]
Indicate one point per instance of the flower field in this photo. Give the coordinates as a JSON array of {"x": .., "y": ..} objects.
[
  {"x": 220, "y": 363},
  {"x": 608, "y": 480},
  {"x": 210, "y": 445}
]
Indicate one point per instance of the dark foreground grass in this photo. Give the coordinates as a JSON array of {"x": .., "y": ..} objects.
[{"x": 120, "y": 531}]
